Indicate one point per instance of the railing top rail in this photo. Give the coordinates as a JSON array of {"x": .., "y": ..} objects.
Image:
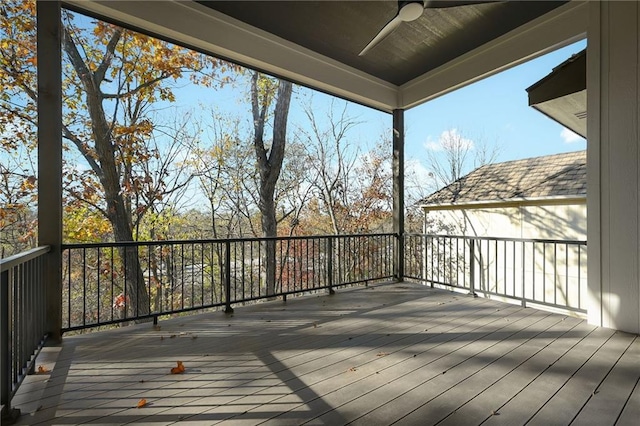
[
  {"x": 217, "y": 240},
  {"x": 520, "y": 240},
  {"x": 17, "y": 259}
]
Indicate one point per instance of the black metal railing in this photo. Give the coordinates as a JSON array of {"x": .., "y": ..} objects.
[
  {"x": 543, "y": 272},
  {"x": 22, "y": 319},
  {"x": 110, "y": 283}
]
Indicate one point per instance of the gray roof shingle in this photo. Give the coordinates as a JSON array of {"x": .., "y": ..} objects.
[{"x": 549, "y": 176}]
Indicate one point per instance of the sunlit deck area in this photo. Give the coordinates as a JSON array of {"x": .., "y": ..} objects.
[{"x": 387, "y": 354}]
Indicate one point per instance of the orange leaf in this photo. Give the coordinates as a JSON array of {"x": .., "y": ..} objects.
[
  {"x": 42, "y": 369},
  {"x": 178, "y": 369},
  {"x": 141, "y": 403}
]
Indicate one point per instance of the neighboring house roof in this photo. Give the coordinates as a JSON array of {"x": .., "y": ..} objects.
[{"x": 551, "y": 176}]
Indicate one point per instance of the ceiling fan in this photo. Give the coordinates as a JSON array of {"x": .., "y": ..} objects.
[{"x": 410, "y": 11}]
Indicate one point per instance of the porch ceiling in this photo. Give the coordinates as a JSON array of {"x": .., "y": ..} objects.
[{"x": 316, "y": 43}]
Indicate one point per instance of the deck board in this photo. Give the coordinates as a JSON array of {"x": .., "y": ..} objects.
[
  {"x": 580, "y": 387},
  {"x": 489, "y": 402},
  {"x": 433, "y": 378},
  {"x": 382, "y": 377},
  {"x": 373, "y": 355},
  {"x": 631, "y": 412},
  {"x": 610, "y": 398},
  {"x": 503, "y": 358}
]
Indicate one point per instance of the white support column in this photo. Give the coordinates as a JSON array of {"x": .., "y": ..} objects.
[{"x": 613, "y": 174}]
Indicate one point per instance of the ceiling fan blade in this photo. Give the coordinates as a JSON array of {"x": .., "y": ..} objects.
[
  {"x": 384, "y": 32},
  {"x": 442, "y": 4}
]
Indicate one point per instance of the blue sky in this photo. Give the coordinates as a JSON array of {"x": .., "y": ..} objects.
[
  {"x": 493, "y": 112},
  {"x": 496, "y": 109}
]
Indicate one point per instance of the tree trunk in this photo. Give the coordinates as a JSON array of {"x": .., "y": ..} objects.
[
  {"x": 107, "y": 170},
  {"x": 269, "y": 161},
  {"x": 137, "y": 301},
  {"x": 269, "y": 229}
]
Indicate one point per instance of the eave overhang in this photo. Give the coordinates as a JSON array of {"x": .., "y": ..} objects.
[{"x": 562, "y": 95}]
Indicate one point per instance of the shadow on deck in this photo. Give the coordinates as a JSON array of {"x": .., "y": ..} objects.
[{"x": 397, "y": 353}]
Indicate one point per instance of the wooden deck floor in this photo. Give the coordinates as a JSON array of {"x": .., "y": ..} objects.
[{"x": 394, "y": 354}]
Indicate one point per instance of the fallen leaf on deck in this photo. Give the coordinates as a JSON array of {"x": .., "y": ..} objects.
[
  {"x": 382, "y": 354},
  {"x": 42, "y": 369},
  {"x": 353, "y": 369},
  {"x": 141, "y": 403},
  {"x": 178, "y": 369}
]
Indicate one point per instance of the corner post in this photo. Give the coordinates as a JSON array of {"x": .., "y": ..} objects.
[
  {"x": 49, "y": 53},
  {"x": 613, "y": 165},
  {"x": 398, "y": 192}
]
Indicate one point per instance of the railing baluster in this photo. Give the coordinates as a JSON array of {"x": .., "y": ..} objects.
[
  {"x": 566, "y": 274},
  {"x": 497, "y": 290},
  {"x": 579, "y": 280},
  {"x": 98, "y": 269},
  {"x": 227, "y": 278},
  {"x": 330, "y": 264},
  {"x": 533, "y": 270},
  {"x": 513, "y": 267},
  {"x": 182, "y": 275},
  {"x": 472, "y": 269},
  {"x": 242, "y": 255},
  {"x": 84, "y": 286},
  {"x": 555, "y": 273},
  {"x": 524, "y": 268}
]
